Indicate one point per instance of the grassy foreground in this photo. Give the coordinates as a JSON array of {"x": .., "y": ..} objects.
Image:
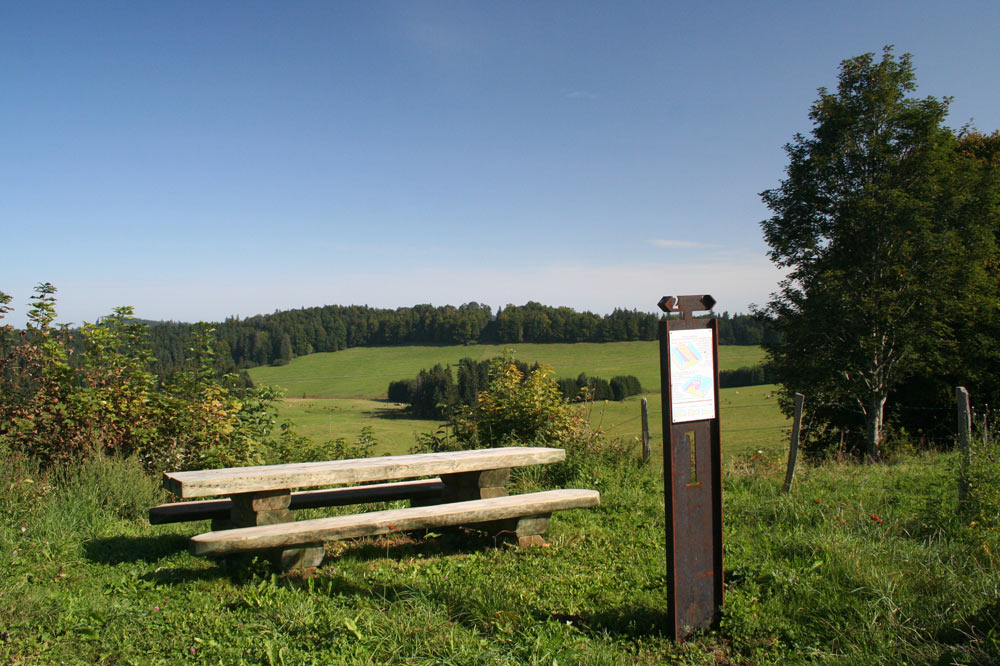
[{"x": 859, "y": 565}]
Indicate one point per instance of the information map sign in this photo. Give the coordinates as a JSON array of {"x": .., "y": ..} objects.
[
  {"x": 692, "y": 375},
  {"x": 692, "y": 464}
]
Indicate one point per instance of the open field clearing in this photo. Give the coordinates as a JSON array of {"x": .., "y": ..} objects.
[
  {"x": 750, "y": 420},
  {"x": 365, "y": 372},
  {"x": 344, "y": 391}
]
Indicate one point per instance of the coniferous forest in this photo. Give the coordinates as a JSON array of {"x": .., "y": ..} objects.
[{"x": 277, "y": 338}]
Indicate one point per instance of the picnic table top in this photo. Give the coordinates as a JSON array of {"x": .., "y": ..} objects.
[{"x": 204, "y": 483}]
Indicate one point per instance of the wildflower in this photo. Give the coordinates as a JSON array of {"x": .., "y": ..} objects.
[
  {"x": 876, "y": 519},
  {"x": 156, "y": 608}
]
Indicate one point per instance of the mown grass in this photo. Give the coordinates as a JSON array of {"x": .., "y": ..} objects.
[
  {"x": 343, "y": 404},
  {"x": 858, "y": 565},
  {"x": 365, "y": 372},
  {"x": 750, "y": 420}
]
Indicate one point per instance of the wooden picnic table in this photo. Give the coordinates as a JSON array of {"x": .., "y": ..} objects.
[
  {"x": 472, "y": 484},
  {"x": 205, "y": 483}
]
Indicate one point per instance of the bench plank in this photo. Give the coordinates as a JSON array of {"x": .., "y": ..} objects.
[
  {"x": 203, "y": 483},
  {"x": 383, "y": 522},
  {"x": 219, "y": 509}
]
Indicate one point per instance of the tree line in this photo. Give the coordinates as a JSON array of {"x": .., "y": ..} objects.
[
  {"x": 435, "y": 393},
  {"x": 275, "y": 339}
]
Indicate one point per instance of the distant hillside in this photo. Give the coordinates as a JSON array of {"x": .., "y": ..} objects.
[
  {"x": 276, "y": 339},
  {"x": 366, "y": 373}
]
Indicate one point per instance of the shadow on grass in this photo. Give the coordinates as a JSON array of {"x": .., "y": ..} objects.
[
  {"x": 397, "y": 414},
  {"x": 404, "y": 546},
  {"x": 627, "y": 622},
  {"x": 118, "y": 550}
]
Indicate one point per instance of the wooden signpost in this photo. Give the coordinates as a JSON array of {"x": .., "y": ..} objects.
[{"x": 692, "y": 464}]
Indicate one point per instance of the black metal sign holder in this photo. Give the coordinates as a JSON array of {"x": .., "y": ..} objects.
[{"x": 692, "y": 481}]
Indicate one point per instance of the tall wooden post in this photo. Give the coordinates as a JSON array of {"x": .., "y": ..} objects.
[
  {"x": 692, "y": 464},
  {"x": 645, "y": 430},
  {"x": 793, "y": 446},
  {"x": 964, "y": 447}
]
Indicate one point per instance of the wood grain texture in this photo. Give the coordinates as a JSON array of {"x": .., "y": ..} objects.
[
  {"x": 424, "y": 490},
  {"x": 383, "y": 522},
  {"x": 205, "y": 483}
]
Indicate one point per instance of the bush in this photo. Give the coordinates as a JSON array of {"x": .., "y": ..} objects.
[
  {"x": 513, "y": 410},
  {"x": 597, "y": 388},
  {"x": 108, "y": 402},
  {"x": 624, "y": 386},
  {"x": 746, "y": 376},
  {"x": 983, "y": 476},
  {"x": 401, "y": 391}
]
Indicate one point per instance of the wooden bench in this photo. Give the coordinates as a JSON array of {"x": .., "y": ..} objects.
[
  {"x": 217, "y": 510},
  {"x": 258, "y": 514},
  {"x": 524, "y": 517}
]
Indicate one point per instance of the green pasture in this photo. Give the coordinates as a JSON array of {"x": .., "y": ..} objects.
[
  {"x": 750, "y": 420},
  {"x": 334, "y": 395},
  {"x": 365, "y": 372},
  {"x": 323, "y": 419}
]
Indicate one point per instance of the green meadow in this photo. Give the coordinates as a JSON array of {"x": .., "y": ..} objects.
[
  {"x": 337, "y": 394},
  {"x": 365, "y": 372}
]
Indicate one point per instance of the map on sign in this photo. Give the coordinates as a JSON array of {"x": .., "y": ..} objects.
[{"x": 692, "y": 375}]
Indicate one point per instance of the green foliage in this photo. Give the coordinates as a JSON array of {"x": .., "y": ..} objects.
[
  {"x": 65, "y": 400},
  {"x": 746, "y": 376},
  {"x": 514, "y": 409},
  {"x": 277, "y": 338},
  {"x": 888, "y": 245},
  {"x": 982, "y": 475},
  {"x": 589, "y": 388},
  {"x": 290, "y": 447}
]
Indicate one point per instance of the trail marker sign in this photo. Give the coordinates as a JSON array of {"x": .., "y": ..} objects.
[{"x": 692, "y": 464}]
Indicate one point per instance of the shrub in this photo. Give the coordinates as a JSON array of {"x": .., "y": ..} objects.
[
  {"x": 109, "y": 402},
  {"x": 401, "y": 391},
  {"x": 597, "y": 388},
  {"x": 513, "y": 410},
  {"x": 746, "y": 376},
  {"x": 983, "y": 477}
]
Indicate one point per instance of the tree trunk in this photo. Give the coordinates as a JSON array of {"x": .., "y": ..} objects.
[{"x": 873, "y": 426}]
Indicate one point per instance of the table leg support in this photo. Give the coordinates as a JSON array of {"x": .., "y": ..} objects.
[
  {"x": 267, "y": 508},
  {"x": 523, "y": 532},
  {"x": 466, "y": 486}
]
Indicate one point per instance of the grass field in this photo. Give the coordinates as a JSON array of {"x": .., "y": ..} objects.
[
  {"x": 347, "y": 391},
  {"x": 365, "y": 372},
  {"x": 865, "y": 565}
]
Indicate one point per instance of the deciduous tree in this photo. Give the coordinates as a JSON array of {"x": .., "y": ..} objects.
[{"x": 875, "y": 265}]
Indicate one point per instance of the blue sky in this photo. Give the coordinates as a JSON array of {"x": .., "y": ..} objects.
[{"x": 203, "y": 159}]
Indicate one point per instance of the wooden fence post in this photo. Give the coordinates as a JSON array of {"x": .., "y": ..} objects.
[
  {"x": 964, "y": 435},
  {"x": 645, "y": 431},
  {"x": 793, "y": 447}
]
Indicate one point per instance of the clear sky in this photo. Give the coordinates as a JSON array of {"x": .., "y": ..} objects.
[{"x": 204, "y": 159}]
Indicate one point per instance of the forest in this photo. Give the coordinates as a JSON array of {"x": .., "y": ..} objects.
[{"x": 277, "y": 338}]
